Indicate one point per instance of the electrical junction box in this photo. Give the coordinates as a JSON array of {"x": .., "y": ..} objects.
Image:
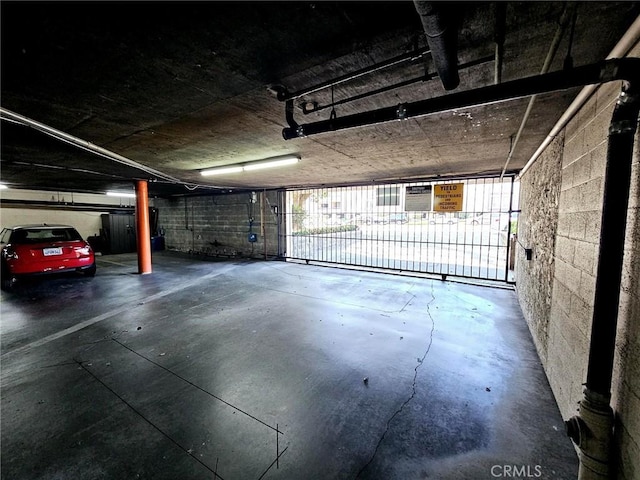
[{"x": 253, "y": 237}]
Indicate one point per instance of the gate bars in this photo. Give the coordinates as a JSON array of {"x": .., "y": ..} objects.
[{"x": 375, "y": 226}]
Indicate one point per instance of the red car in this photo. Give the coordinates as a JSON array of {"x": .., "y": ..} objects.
[{"x": 42, "y": 249}]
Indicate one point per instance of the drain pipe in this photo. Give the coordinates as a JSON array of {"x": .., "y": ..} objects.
[
  {"x": 592, "y": 428},
  {"x": 442, "y": 36}
]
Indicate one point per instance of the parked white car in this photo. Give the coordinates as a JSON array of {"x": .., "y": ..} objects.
[
  {"x": 438, "y": 218},
  {"x": 496, "y": 220}
]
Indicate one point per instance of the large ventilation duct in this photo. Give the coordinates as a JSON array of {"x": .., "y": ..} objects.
[{"x": 440, "y": 27}]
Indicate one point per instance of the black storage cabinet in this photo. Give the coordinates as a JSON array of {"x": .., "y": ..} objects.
[{"x": 119, "y": 233}]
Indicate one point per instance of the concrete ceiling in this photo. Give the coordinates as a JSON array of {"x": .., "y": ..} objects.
[{"x": 181, "y": 87}]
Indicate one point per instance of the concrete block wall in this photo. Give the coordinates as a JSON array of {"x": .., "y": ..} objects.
[
  {"x": 219, "y": 224},
  {"x": 561, "y": 323},
  {"x": 537, "y": 226}
]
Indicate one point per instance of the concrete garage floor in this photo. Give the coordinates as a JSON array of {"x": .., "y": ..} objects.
[{"x": 255, "y": 370}]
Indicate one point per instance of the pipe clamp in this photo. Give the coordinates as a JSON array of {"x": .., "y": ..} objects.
[
  {"x": 608, "y": 72},
  {"x": 621, "y": 127},
  {"x": 401, "y": 111}
]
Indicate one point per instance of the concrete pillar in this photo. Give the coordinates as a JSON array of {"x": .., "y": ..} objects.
[{"x": 142, "y": 228}]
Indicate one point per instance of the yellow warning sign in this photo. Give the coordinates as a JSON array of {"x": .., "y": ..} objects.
[{"x": 448, "y": 197}]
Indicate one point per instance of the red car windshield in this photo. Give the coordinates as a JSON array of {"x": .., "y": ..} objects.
[{"x": 44, "y": 235}]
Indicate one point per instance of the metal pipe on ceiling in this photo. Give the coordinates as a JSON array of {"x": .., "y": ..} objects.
[
  {"x": 440, "y": 28},
  {"x": 56, "y": 205},
  {"x": 284, "y": 95},
  {"x": 8, "y": 115},
  {"x": 424, "y": 78},
  {"x": 568, "y": 12},
  {"x": 609, "y": 70},
  {"x": 622, "y": 48}
]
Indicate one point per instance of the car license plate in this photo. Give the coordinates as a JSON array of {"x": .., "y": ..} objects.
[{"x": 47, "y": 252}]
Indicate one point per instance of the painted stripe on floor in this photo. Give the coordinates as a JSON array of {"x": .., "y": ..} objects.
[
  {"x": 132, "y": 263},
  {"x": 113, "y": 313}
]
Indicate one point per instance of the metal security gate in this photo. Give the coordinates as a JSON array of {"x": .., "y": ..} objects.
[{"x": 384, "y": 226}]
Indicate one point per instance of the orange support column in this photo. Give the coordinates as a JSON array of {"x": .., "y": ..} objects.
[{"x": 142, "y": 228}]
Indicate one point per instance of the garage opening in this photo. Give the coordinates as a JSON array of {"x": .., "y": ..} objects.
[{"x": 464, "y": 227}]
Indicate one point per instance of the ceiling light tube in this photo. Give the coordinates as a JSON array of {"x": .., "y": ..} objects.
[
  {"x": 246, "y": 167},
  {"x": 121, "y": 194},
  {"x": 279, "y": 162},
  {"x": 220, "y": 171}
]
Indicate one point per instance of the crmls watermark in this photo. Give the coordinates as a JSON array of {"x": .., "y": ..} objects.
[{"x": 516, "y": 471}]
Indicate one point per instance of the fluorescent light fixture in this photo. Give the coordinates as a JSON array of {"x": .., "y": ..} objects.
[
  {"x": 221, "y": 171},
  {"x": 259, "y": 165},
  {"x": 121, "y": 194},
  {"x": 271, "y": 163}
]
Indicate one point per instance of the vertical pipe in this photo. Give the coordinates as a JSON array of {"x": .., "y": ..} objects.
[
  {"x": 628, "y": 40},
  {"x": 278, "y": 212},
  {"x": 567, "y": 14},
  {"x": 617, "y": 182},
  {"x": 142, "y": 228},
  {"x": 499, "y": 34},
  {"x": 506, "y": 268},
  {"x": 263, "y": 205},
  {"x": 592, "y": 429},
  {"x": 279, "y": 222},
  {"x": 286, "y": 216}
]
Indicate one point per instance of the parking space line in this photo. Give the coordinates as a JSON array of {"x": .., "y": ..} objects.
[
  {"x": 112, "y": 313},
  {"x": 102, "y": 260}
]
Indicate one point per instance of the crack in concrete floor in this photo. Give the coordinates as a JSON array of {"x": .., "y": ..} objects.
[{"x": 413, "y": 387}]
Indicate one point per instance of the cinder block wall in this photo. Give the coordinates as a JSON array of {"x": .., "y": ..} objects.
[
  {"x": 556, "y": 288},
  {"x": 219, "y": 224},
  {"x": 537, "y": 227}
]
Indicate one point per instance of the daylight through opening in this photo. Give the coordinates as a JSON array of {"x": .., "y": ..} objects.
[{"x": 464, "y": 228}]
